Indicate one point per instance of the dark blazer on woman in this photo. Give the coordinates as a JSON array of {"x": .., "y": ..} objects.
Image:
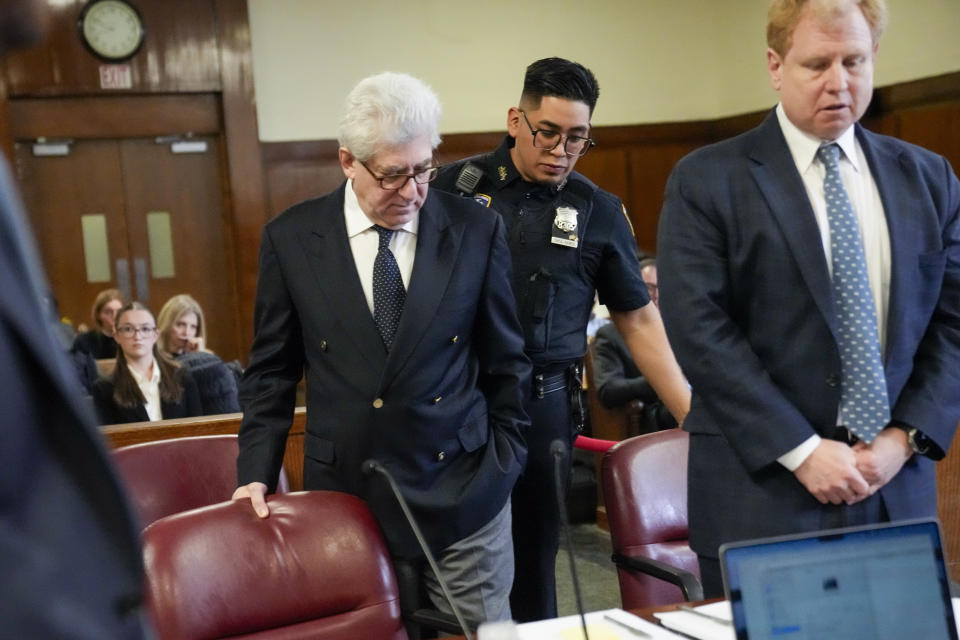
[{"x": 111, "y": 413}]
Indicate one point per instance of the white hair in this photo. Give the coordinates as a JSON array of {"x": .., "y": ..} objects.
[{"x": 388, "y": 109}]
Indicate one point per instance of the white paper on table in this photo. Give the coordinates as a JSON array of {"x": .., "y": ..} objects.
[
  {"x": 569, "y": 628},
  {"x": 956, "y": 612},
  {"x": 698, "y": 626}
]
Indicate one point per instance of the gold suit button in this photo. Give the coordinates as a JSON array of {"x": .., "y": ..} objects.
[
  {"x": 378, "y": 403},
  {"x": 437, "y": 399},
  {"x": 441, "y": 456},
  {"x": 453, "y": 340},
  {"x": 323, "y": 345}
]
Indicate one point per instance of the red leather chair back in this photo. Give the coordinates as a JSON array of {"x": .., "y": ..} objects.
[
  {"x": 316, "y": 568},
  {"x": 645, "y": 491},
  {"x": 164, "y": 477}
]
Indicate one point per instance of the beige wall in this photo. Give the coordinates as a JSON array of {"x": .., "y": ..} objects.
[{"x": 656, "y": 60}]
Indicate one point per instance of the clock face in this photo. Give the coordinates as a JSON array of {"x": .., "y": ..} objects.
[{"x": 112, "y": 29}]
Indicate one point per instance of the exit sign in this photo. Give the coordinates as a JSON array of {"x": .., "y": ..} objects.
[{"x": 115, "y": 76}]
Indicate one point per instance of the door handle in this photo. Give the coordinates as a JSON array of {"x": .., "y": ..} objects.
[
  {"x": 142, "y": 279},
  {"x": 123, "y": 277}
]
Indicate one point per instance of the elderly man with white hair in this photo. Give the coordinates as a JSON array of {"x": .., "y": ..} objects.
[{"x": 395, "y": 300}]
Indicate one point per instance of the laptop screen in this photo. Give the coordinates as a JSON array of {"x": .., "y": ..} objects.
[{"x": 869, "y": 583}]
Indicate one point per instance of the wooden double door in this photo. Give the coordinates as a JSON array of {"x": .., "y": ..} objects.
[{"x": 134, "y": 214}]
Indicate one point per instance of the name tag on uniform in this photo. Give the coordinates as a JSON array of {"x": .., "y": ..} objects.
[{"x": 564, "y": 230}]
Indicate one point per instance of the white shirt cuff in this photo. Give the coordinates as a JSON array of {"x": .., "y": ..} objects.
[{"x": 795, "y": 457}]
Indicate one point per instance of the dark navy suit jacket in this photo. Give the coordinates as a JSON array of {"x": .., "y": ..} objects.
[
  {"x": 749, "y": 311},
  {"x": 70, "y": 564},
  {"x": 442, "y": 411}
]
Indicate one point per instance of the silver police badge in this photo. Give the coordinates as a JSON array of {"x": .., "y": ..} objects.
[{"x": 566, "y": 224}]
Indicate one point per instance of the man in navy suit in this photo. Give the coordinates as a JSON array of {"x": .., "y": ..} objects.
[
  {"x": 70, "y": 563},
  {"x": 751, "y": 305},
  {"x": 396, "y": 301}
]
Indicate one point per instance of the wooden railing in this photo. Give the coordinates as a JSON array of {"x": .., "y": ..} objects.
[{"x": 121, "y": 435}]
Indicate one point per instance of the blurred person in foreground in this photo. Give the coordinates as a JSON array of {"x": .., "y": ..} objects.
[{"x": 71, "y": 565}]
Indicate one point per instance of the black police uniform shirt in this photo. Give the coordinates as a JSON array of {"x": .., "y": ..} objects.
[{"x": 554, "y": 282}]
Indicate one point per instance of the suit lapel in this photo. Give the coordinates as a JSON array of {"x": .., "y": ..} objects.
[
  {"x": 331, "y": 260},
  {"x": 438, "y": 244},
  {"x": 897, "y": 194},
  {"x": 776, "y": 175}
]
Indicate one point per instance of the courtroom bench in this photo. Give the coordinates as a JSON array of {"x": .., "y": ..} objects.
[{"x": 121, "y": 435}]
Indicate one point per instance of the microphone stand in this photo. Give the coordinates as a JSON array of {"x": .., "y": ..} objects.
[
  {"x": 371, "y": 466},
  {"x": 558, "y": 449}
]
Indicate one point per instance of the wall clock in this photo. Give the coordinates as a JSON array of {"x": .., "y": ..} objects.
[{"x": 112, "y": 29}]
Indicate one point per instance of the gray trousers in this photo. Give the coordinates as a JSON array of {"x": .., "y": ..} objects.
[{"x": 478, "y": 570}]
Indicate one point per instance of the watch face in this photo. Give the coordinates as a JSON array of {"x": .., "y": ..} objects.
[{"x": 112, "y": 29}]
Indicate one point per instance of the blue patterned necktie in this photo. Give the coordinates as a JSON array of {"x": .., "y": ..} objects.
[
  {"x": 388, "y": 291},
  {"x": 864, "y": 406}
]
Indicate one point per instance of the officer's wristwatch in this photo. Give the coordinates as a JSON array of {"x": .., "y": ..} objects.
[{"x": 918, "y": 442}]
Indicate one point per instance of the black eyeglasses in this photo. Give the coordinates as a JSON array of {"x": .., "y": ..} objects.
[
  {"x": 128, "y": 330},
  {"x": 548, "y": 140},
  {"x": 396, "y": 181}
]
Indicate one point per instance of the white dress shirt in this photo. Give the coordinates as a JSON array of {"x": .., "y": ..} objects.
[
  {"x": 865, "y": 199},
  {"x": 364, "y": 242},
  {"x": 150, "y": 390}
]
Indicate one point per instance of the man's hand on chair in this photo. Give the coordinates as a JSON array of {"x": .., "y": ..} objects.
[{"x": 257, "y": 492}]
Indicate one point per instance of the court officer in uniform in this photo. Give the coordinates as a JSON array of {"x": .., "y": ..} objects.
[{"x": 568, "y": 239}]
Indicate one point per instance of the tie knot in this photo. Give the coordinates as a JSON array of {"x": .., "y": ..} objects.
[
  {"x": 829, "y": 153},
  {"x": 385, "y": 236}
]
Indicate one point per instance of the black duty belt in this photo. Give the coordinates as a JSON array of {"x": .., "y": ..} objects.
[{"x": 546, "y": 383}]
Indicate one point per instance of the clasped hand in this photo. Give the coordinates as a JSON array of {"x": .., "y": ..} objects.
[{"x": 837, "y": 473}]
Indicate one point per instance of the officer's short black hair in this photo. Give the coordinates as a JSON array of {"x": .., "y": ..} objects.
[{"x": 560, "y": 78}]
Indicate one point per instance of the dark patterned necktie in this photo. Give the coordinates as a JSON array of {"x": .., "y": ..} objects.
[
  {"x": 864, "y": 406},
  {"x": 388, "y": 291}
]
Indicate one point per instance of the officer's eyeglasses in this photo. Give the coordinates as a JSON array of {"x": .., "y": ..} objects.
[
  {"x": 548, "y": 140},
  {"x": 128, "y": 330},
  {"x": 396, "y": 181}
]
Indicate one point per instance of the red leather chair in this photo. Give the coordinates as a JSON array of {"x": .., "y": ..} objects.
[
  {"x": 316, "y": 568},
  {"x": 169, "y": 476},
  {"x": 645, "y": 491}
]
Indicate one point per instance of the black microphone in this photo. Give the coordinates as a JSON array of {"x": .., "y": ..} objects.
[
  {"x": 468, "y": 179},
  {"x": 372, "y": 466},
  {"x": 558, "y": 450}
]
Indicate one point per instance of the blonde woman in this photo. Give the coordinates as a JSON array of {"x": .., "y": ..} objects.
[
  {"x": 182, "y": 335},
  {"x": 181, "y": 326}
]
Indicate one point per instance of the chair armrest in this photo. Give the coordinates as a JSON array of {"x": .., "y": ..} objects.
[
  {"x": 689, "y": 584},
  {"x": 439, "y": 621}
]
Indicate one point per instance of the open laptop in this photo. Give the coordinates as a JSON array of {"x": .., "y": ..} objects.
[{"x": 861, "y": 583}]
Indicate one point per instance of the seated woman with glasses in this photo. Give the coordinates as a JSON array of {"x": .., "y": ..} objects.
[
  {"x": 146, "y": 384},
  {"x": 182, "y": 335}
]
